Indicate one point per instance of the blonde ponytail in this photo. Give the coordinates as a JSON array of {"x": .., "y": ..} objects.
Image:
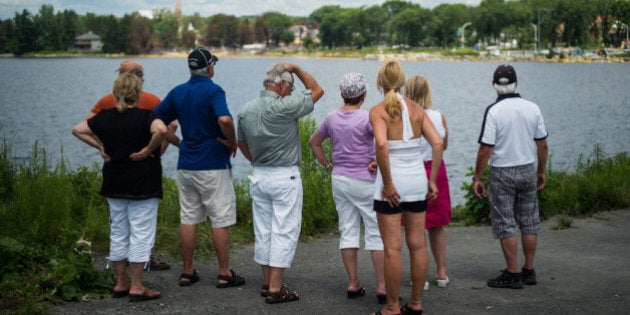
[
  {"x": 393, "y": 107},
  {"x": 127, "y": 90},
  {"x": 391, "y": 78}
]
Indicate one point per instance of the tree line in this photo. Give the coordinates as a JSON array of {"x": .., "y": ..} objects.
[{"x": 551, "y": 23}]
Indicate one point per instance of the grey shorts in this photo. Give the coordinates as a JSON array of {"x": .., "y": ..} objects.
[
  {"x": 513, "y": 199},
  {"x": 207, "y": 194}
]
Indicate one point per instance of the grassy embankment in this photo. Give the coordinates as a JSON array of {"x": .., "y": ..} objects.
[{"x": 52, "y": 217}]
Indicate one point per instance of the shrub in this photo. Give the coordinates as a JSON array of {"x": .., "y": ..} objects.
[
  {"x": 476, "y": 211},
  {"x": 39, "y": 237},
  {"x": 318, "y": 212},
  {"x": 599, "y": 183}
]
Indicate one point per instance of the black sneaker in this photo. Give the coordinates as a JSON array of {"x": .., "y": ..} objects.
[
  {"x": 507, "y": 280},
  {"x": 528, "y": 276}
]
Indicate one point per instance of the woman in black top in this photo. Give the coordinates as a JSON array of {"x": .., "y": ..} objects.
[{"x": 129, "y": 140}]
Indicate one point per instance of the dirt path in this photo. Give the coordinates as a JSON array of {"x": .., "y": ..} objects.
[{"x": 584, "y": 269}]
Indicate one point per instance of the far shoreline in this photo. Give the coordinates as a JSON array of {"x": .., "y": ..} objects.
[{"x": 508, "y": 56}]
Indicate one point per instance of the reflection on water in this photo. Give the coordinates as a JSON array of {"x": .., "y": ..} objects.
[{"x": 583, "y": 104}]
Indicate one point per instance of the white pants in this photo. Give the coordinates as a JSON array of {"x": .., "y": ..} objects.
[
  {"x": 354, "y": 201},
  {"x": 277, "y": 212},
  {"x": 132, "y": 228}
]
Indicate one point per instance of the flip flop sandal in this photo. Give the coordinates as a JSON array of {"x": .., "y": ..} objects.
[
  {"x": 119, "y": 294},
  {"x": 190, "y": 279},
  {"x": 231, "y": 281},
  {"x": 355, "y": 294},
  {"x": 405, "y": 310},
  {"x": 144, "y": 296}
]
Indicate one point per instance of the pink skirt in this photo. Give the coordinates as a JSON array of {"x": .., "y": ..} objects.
[{"x": 439, "y": 210}]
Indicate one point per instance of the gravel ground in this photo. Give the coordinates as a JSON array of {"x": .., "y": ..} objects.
[{"x": 583, "y": 269}]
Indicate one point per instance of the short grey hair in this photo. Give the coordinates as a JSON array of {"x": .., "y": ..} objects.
[
  {"x": 275, "y": 74},
  {"x": 505, "y": 89},
  {"x": 203, "y": 72}
]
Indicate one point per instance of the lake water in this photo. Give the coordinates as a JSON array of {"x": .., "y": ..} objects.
[{"x": 583, "y": 104}]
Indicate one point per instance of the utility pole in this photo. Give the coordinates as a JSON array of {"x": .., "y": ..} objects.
[{"x": 535, "y": 36}]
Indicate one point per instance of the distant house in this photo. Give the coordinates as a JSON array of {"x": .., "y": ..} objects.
[{"x": 88, "y": 41}]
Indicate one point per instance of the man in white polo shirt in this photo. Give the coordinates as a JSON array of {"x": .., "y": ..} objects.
[{"x": 513, "y": 136}]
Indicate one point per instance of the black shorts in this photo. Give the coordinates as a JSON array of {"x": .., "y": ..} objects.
[{"x": 411, "y": 206}]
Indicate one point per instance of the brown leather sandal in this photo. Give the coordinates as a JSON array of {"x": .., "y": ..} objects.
[
  {"x": 231, "y": 281},
  {"x": 284, "y": 295}
]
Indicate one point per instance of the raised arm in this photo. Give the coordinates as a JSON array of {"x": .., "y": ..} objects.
[{"x": 307, "y": 79}]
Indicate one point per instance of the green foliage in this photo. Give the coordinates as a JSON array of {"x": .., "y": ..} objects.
[
  {"x": 319, "y": 213},
  {"x": 599, "y": 183},
  {"x": 476, "y": 211},
  {"x": 43, "y": 257},
  {"x": 592, "y": 24}
]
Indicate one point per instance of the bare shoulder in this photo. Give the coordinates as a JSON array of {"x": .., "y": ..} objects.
[{"x": 377, "y": 110}]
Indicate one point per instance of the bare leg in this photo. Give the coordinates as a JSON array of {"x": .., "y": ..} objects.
[
  {"x": 414, "y": 235},
  {"x": 275, "y": 278},
  {"x": 122, "y": 282},
  {"x": 509, "y": 246},
  {"x": 389, "y": 226},
  {"x": 530, "y": 242},
  {"x": 137, "y": 270},
  {"x": 378, "y": 257},
  {"x": 187, "y": 242},
  {"x": 349, "y": 257},
  {"x": 266, "y": 271},
  {"x": 437, "y": 239},
  {"x": 221, "y": 243}
]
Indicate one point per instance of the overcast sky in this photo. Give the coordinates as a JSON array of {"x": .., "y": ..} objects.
[{"x": 205, "y": 8}]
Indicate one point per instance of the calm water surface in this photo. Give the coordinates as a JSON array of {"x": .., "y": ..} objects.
[{"x": 583, "y": 104}]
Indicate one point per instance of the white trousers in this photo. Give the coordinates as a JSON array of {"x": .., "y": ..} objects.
[
  {"x": 132, "y": 228},
  {"x": 277, "y": 212},
  {"x": 354, "y": 201}
]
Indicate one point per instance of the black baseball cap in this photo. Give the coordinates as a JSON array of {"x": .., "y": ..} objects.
[
  {"x": 504, "y": 75},
  {"x": 201, "y": 58}
]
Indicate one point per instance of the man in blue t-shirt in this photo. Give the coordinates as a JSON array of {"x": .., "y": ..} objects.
[
  {"x": 204, "y": 172},
  {"x": 513, "y": 137}
]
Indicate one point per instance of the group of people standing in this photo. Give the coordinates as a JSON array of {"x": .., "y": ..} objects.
[{"x": 386, "y": 171}]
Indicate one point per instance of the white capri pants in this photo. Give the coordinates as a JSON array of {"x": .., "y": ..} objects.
[
  {"x": 277, "y": 212},
  {"x": 355, "y": 201},
  {"x": 132, "y": 228}
]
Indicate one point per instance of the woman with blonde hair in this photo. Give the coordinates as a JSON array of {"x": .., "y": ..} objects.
[
  {"x": 129, "y": 138},
  {"x": 402, "y": 189},
  {"x": 438, "y": 212}
]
